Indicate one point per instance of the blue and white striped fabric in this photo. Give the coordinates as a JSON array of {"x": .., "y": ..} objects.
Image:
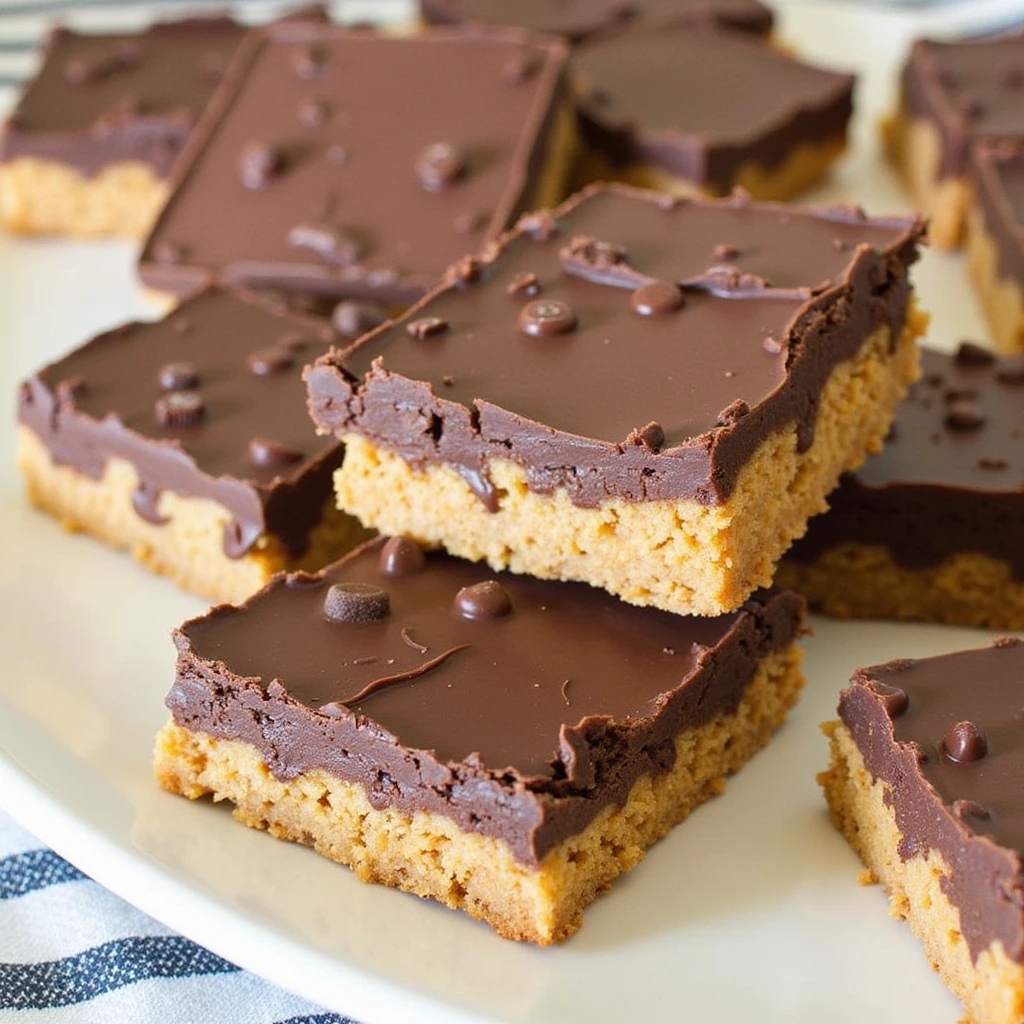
[{"x": 73, "y": 953}]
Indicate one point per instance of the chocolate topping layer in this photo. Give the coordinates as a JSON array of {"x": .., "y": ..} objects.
[
  {"x": 579, "y": 19},
  {"x": 952, "y": 757},
  {"x": 950, "y": 478},
  {"x": 701, "y": 104},
  {"x": 423, "y": 149},
  {"x": 104, "y": 99},
  {"x": 997, "y": 180},
  {"x": 574, "y": 406},
  {"x": 206, "y": 403},
  {"x": 520, "y": 725},
  {"x": 968, "y": 90}
]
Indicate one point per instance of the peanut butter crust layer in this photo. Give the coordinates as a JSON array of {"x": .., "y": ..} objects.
[
  {"x": 522, "y": 721},
  {"x": 186, "y": 441},
  {"x": 356, "y": 165},
  {"x": 930, "y": 528},
  {"x": 924, "y": 783},
  {"x": 632, "y": 357}
]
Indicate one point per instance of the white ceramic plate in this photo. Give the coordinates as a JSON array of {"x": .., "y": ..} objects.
[{"x": 749, "y": 911}]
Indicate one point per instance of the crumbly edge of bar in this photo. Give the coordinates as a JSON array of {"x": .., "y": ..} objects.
[
  {"x": 189, "y": 547},
  {"x": 863, "y": 581},
  {"x": 914, "y": 148},
  {"x": 1002, "y": 299},
  {"x": 43, "y": 197},
  {"x": 429, "y": 855},
  {"x": 804, "y": 166},
  {"x": 991, "y": 987},
  {"x": 682, "y": 556}
]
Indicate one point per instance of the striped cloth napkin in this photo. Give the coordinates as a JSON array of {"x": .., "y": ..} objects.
[{"x": 73, "y": 953}]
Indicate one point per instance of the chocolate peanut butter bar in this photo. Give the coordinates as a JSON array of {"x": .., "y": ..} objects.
[
  {"x": 90, "y": 145},
  {"x": 353, "y": 165},
  {"x": 927, "y": 758},
  {"x": 954, "y": 95},
  {"x": 187, "y": 443},
  {"x": 995, "y": 239},
  {"x": 504, "y": 745},
  {"x": 690, "y": 110},
  {"x": 581, "y": 19},
  {"x": 648, "y": 394},
  {"x": 932, "y": 527}
]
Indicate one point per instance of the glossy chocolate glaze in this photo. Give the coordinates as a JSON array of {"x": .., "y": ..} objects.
[
  {"x": 350, "y": 119},
  {"x": 248, "y": 444},
  {"x": 701, "y": 103},
  {"x": 950, "y": 478},
  {"x": 970, "y": 810},
  {"x": 997, "y": 182},
  {"x": 573, "y": 408},
  {"x": 580, "y": 19},
  {"x": 531, "y": 721},
  {"x": 104, "y": 99},
  {"x": 968, "y": 90}
]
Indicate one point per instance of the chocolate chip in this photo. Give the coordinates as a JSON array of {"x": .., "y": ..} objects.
[
  {"x": 401, "y": 556},
  {"x": 544, "y": 318},
  {"x": 1011, "y": 371},
  {"x": 169, "y": 253},
  {"x": 524, "y": 284},
  {"x": 308, "y": 63},
  {"x": 519, "y": 67},
  {"x": 268, "y": 361},
  {"x": 180, "y": 409},
  {"x": 354, "y": 319},
  {"x": 268, "y": 454},
  {"x": 470, "y": 223},
  {"x": 725, "y": 253},
  {"x": 651, "y": 436},
  {"x": 964, "y": 415},
  {"x": 657, "y": 298},
  {"x": 312, "y": 113},
  {"x": 965, "y": 742},
  {"x": 439, "y": 165},
  {"x": 258, "y": 163},
  {"x": 968, "y": 809},
  {"x": 337, "y": 155},
  {"x": 329, "y": 243},
  {"x": 893, "y": 698},
  {"x": 356, "y": 603},
  {"x": 733, "y": 412},
  {"x": 486, "y": 600},
  {"x": 988, "y": 463},
  {"x": 772, "y": 345},
  {"x": 426, "y": 327},
  {"x": 178, "y": 376},
  {"x": 447, "y": 380},
  {"x": 970, "y": 354}
]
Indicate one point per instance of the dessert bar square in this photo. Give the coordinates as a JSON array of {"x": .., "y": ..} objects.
[
  {"x": 691, "y": 110},
  {"x": 927, "y": 758},
  {"x": 932, "y": 528},
  {"x": 187, "y": 443},
  {"x": 952, "y": 96},
  {"x": 355, "y": 165},
  {"x": 504, "y": 745},
  {"x": 649, "y": 395},
  {"x": 89, "y": 147}
]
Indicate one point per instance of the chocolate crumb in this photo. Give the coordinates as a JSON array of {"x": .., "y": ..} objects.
[
  {"x": 354, "y": 319},
  {"x": 439, "y": 165},
  {"x": 541, "y": 226},
  {"x": 524, "y": 284},
  {"x": 651, "y": 436},
  {"x": 258, "y": 163},
  {"x": 772, "y": 345},
  {"x": 426, "y": 327},
  {"x": 725, "y": 253},
  {"x": 268, "y": 361},
  {"x": 330, "y": 243},
  {"x": 447, "y": 380},
  {"x": 733, "y": 413},
  {"x": 178, "y": 376}
]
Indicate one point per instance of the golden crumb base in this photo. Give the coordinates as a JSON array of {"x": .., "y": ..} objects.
[
  {"x": 44, "y": 197},
  {"x": 1002, "y": 300},
  {"x": 861, "y": 581},
  {"x": 914, "y": 147},
  {"x": 682, "y": 556},
  {"x": 189, "y": 546},
  {"x": 429, "y": 855},
  {"x": 991, "y": 987},
  {"x": 804, "y": 166}
]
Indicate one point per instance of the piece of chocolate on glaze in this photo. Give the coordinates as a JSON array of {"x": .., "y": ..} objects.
[
  {"x": 214, "y": 411},
  {"x": 371, "y": 200},
  {"x": 466, "y": 718},
  {"x": 495, "y": 381},
  {"x": 578, "y": 20},
  {"x": 952, "y": 762},
  {"x": 659, "y": 96}
]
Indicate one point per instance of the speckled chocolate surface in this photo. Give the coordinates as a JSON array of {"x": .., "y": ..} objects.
[
  {"x": 206, "y": 403},
  {"x": 355, "y": 165},
  {"x": 950, "y": 478},
  {"x": 629, "y": 345},
  {"x": 517, "y": 707},
  {"x": 701, "y": 104},
  {"x": 946, "y": 736}
]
